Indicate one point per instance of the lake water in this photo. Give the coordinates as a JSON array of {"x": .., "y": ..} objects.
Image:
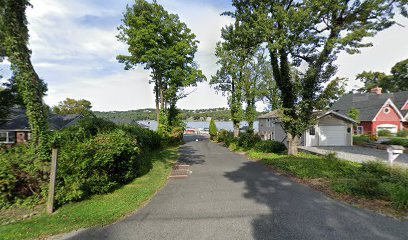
[{"x": 220, "y": 125}]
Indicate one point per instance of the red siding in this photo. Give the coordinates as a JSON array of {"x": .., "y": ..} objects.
[
  {"x": 367, "y": 127},
  {"x": 392, "y": 115},
  {"x": 405, "y": 107}
]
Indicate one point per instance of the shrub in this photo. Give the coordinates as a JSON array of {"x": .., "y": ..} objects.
[
  {"x": 213, "y": 129},
  {"x": 384, "y": 133},
  {"x": 398, "y": 141},
  {"x": 270, "y": 146},
  {"x": 248, "y": 140},
  {"x": 399, "y": 197},
  {"x": 402, "y": 133},
  {"x": 97, "y": 166},
  {"x": 373, "y": 138},
  {"x": 177, "y": 134},
  {"x": 224, "y": 136}
]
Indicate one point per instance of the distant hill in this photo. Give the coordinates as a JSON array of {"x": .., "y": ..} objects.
[{"x": 219, "y": 114}]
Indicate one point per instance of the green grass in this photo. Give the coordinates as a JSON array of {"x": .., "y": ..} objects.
[
  {"x": 100, "y": 209},
  {"x": 371, "y": 180},
  {"x": 360, "y": 138}
]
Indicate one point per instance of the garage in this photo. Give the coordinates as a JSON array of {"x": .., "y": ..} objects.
[
  {"x": 333, "y": 135},
  {"x": 390, "y": 127}
]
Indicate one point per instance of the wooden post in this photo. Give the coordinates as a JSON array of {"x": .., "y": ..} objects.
[{"x": 53, "y": 175}]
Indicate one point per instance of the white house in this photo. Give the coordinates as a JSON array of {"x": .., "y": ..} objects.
[{"x": 331, "y": 129}]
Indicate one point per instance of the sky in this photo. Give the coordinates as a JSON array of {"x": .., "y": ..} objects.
[{"x": 74, "y": 49}]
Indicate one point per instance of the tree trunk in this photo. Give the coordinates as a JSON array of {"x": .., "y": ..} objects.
[
  {"x": 293, "y": 143},
  {"x": 157, "y": 101},
  {"x": 236, "y": 130}
]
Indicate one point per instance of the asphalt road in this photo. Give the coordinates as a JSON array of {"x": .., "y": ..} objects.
[{"x": 230, "y": 197}]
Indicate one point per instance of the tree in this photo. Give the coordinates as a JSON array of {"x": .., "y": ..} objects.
[
  {"x": 311, "y": 34},
  {"x": 234, "y": 55},
  {"x": 372, "y": 80},
  {"x": 163, "y": 44},
  {"x": 354, "y": 113},
  {"x": 72, "y": 106},
  {"x": 399, "y": 74},
  {"x": 14, "y": 45},
  {"x": 397, "y": 81},
  {"x": 213, "y": 129}
]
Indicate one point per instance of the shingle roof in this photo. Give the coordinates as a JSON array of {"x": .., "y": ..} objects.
[
  {"x": 368, "y": 103},
  {"x": 19, "y": 121},
  {"x": 273, "y": 114}
]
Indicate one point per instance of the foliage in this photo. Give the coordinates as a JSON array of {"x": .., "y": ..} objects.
[
  {"x": 159, "y": 41},
  {"x": 397, "y": 81},
  {"x": 72, "y": 106},
  {"x": 218, "y": 114},
  {"x": 248, "y": 140},
  {"x": 177, "y": 134},
  {"x": 98, "y": 210},
  {"x": 371, "y": 180},
  {"x": 309, "y": 35},
  {"x": 95, "y": 157},
  {"x": 384, "y": 133},
  {"x": 224, "y": 135},
  {"x": 360, "y": 138},
  {"x": 373, "y": 138},
  {"x": 398, "y": 141},
  {"x": 270, "y": 146},
  {"x": 14, "y": 45},
  {"x": 213, "y": 129},
  {"x": 402, "y": 133},
  {"x": 354, "y": 113}
]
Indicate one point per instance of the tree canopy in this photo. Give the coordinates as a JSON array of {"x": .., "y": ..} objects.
[
  {"x": 309, "y": 35},
  {"x": 160, "y": 42},
  {"x": 72, "y": 106},
  {"x": 395, "y": 82},
  {"x": 14, "y": 46}
]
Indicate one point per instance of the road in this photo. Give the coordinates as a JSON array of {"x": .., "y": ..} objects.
[{"x": 230, "y": 197}]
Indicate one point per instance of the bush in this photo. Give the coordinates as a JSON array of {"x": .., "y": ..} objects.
[
  {"x": 373, "y": 138},
  {"x": 398, "y": 141},
  {"x": 95, "y": 157},
  {"x": 399, "y": 197},
  {"x": 97, "y": 166},
  {"x": 270, "y": 146},
  {"x": 224, "y": 136},
  {"x": 213, "y": 129},
  {"x": 402, "y": 133},
  {"x": 177, "y": 134},
  {"x": 248, "y": 140},
  {"x": 384, "y": 133}
]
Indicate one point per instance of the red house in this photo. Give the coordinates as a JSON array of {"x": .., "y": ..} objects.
[{"x": 378, "y": 111}]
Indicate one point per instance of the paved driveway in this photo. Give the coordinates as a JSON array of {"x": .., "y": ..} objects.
[
  {"x": 230, "y": 197},
  {"x": 358, "y": 154}
]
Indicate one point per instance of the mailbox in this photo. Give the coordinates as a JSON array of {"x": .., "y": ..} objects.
[{"x": 393, "y": 152}]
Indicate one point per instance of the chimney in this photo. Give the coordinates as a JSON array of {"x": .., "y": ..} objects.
[{"x": 376, "y": 90}]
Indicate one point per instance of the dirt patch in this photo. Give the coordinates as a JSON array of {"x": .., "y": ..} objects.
[{"x": 12, "y": 215}]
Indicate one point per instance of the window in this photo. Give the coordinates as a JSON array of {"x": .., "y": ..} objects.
[
  {"x": 7, "y": 137},
  {"x": 360, "y": 130},
  {"x": 387, "y": 110},
  {"x": 312, "y": 131},
  {"x": 348, "y": 130}
]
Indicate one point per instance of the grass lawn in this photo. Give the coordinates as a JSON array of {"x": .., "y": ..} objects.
[
  {"x": 372, "y": 185},
  {"x": 100, "y": 209}
]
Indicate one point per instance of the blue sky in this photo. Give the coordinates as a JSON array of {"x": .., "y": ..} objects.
[{"x": 74, "y": 49}]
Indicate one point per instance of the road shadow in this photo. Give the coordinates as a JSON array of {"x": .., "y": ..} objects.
[
  {"x": 188, "y": 153},
  {"x": 298, "y": 212}
]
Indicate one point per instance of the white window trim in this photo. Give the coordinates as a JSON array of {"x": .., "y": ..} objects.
[
  {"x": 7, "y": 137},
  {"x": 389, "y": 102},
  {"x": 362, "y": 129},
  {"x": 387, "y": 110}
]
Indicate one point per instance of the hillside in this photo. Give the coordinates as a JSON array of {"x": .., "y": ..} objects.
[{"x": 219, "y": 114}]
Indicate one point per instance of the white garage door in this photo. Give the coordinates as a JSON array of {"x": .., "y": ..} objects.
[{"x": 332, "y": 136}]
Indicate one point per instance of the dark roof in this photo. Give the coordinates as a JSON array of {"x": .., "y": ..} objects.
[
  {"x": 19, "y": 121},
  {"x": 368, "y": 103},
  {"x": 317, "y": 114}
]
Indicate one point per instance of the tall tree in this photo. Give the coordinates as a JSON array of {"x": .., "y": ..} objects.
[
  {"x": 14, "y": 31},
  {"x": 311, "y": 33},
  {"x": 163, "y": 44},
  {"x": 397, "y": 81},
  {"x": 399, "y": 73},
  {"x": 72, "y": 106}
]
